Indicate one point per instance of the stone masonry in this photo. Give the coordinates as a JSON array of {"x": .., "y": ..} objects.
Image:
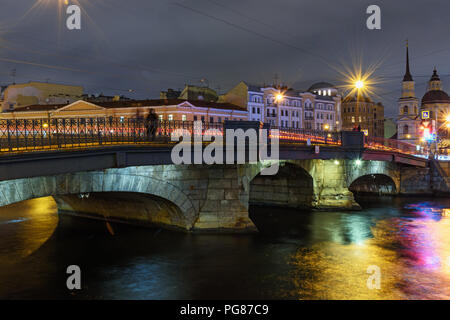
[{"x": 205, "y": 198}]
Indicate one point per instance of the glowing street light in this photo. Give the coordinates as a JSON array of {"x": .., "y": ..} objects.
[
  {"x": 326, "y": 127},
  {"x": 359, "y": 84},
  {"x": 279, "y": 97},
  {"x": 358, "y": 162}
]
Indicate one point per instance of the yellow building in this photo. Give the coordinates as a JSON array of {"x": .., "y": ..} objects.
[
  {"x": 166, "y": 109},
  {"x": 363, "y": 112},
  {"x": 34, "y": 93}
]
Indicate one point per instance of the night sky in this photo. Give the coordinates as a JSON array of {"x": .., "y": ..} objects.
[{"x": 151, "y": 45}]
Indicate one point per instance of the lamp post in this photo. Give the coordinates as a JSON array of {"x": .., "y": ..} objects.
[{"x": 278, "y": 98}]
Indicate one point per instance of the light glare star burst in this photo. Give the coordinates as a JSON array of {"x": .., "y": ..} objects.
[{"x": 358, "y": 81}]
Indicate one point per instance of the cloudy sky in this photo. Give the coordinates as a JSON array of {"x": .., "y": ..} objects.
[{"x": 151, "y": 45}]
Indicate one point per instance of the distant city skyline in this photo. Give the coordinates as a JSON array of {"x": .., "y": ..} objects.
[{"x": 139, "y": 48}]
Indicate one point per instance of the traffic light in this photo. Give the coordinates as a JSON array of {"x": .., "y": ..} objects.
[{"x": 426, "y": 130}]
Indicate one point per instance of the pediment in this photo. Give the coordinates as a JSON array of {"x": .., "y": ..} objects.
[{"x": 81, "y": 105}]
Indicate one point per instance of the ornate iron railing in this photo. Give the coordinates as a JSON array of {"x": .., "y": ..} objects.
[
  {"x": 377, "y": 143},
  {"x": 18, "y": 135},
  {"x": 22, "y": 135},
  {"x": 314, "y": 136}
]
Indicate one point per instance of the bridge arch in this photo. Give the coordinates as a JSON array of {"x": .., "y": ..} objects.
[
  {"x": 375, "y": 176},
  {"x": 292, "y": 186},
  {"x": 13, "y": 191},
  {"x": 374, "y": 183}
]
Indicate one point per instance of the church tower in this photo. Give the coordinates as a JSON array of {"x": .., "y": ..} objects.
[
  {"x": 435, "y": 82},
  {"x": 408, "y": 108},
  {"x": 408, "y": 82}
]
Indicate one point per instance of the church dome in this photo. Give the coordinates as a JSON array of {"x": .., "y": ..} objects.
[
  {"x": 435, "y": 96},
  {"x": 320, "y": 85}
]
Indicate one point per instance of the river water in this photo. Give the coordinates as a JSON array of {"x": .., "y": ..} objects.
[{"x": 297, "y": 255}]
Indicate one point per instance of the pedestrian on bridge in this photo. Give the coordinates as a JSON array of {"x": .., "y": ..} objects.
[{"x": 151, "y": 124}]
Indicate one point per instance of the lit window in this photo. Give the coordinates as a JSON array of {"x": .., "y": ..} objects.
[
  {"x": 170, "y": 117},
  {"x": 183, "y": 117},
  {"x": 161, "y": 117}
]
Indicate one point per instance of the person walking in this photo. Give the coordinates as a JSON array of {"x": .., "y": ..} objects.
[{"x": 151, "y": 124}]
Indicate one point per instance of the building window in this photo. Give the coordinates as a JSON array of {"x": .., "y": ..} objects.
[
  {"x": 405, "y": 129},
  {"x": 220, "y": 119},
  {"x": 405, "y": 110},
  {"x": 195, "y": 118},
  {"x": 170, "y": 117},
  {"x": 161, "y": 117},
  {"x": 183, "y": 117},
  {"x": 203, "y": 118},
  {"x": 211, "y": 119},
  {"x": 353, "y": 119}
]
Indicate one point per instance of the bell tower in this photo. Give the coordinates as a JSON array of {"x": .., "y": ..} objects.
[
  {"x": 435, "y": 82},
  {"x": 408, "y": 107},
  {"x": 408, "y": 82}
]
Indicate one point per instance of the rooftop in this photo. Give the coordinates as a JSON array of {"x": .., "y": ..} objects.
[{"x": 136, "y": 104}]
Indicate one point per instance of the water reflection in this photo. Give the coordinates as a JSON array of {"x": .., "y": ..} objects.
[
  {"x": 25, "y": 226},
  {"x": 412, "y": 252},
  {"x": 297, "y": 255}
]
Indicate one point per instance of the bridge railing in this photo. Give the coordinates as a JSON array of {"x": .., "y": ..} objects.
[
  {"x": 42, "y": 134},
  {"x": 393, "y": 145},
  {"x": 17, "y": 135},
  {"x": 292, "y": 135}
]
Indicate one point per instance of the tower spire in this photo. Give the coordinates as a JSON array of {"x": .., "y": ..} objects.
[{"x": 407, "y": 76}]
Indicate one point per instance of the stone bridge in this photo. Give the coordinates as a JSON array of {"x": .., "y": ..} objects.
[
  {"x": 140, "y": 183},
  {"x": 213, "y": 197}
]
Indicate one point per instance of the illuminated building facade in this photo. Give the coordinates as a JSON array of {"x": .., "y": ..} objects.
[
  {"x": 33, "y": 93},
  {"x": 170, "y": 109},
  {"x": 285, "y": 107},
  {"x": 363, "y": 112},
  {"x": 434, "y": 109}
]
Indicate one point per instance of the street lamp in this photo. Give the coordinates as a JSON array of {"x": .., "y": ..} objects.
[
  {"x": 326, "y": 127},
  {"x": 359, "y": 84},
  {"x": 279, "y": 97}
]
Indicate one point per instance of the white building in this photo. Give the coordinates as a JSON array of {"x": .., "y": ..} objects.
[{"x": 289, "y": 108}]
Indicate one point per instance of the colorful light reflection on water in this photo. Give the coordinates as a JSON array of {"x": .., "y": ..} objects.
[{"x": 297, "y": 255}]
